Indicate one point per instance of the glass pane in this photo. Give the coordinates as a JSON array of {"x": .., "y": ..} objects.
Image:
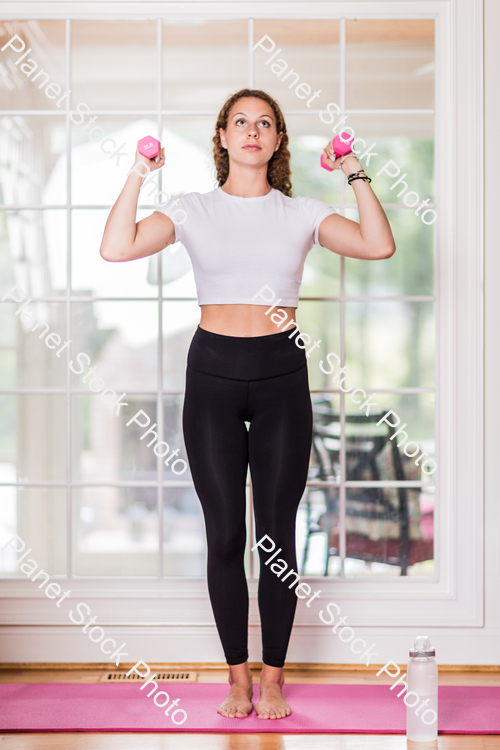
[
  {"x": 101, "y": 156},
  {"x": 408, "y": 142},
  {"x": 390, "y": 63},
  {"x": 117, "y": 341},
  {"x": 321, "y": 277},
  {"x": 91, "y": 275},
  {"x": 320, "y": 321},
  {"x": 115, "y": 531},
  {"x": 324, "y": 466},
  {"x": 203, "y": 61},
  {"x": 184, "y": 539},
  {"x": 308, "y": 47},
  {"x": 317, "y": 532},
  {"x": 180, "y": 320},
  {"x": 105, "y": 448},
  {"x": 409, "y": 272},
  {"x": 33, "y": 252},
  {"x": 32, "y": 345},
  {"x": 390, "y": 344},
  {"x": 38, "y": 516},
  {"x": 389, "y": 532},
  {"x": 175, "y": 463},
  {"x": 8, "y": 346},
  {"x": 308, "y": 137},
  {"x": 33, "y": 437},
  {"x": 325, "y": 461},
  {"x": 188, "y": 154},
  {"x": 397, "y": 458},
  {"x": 113, "y": 64},
  {"x": 33, "y": 160},
  {"x": 178, "y": 281},
  {"x": 37, "y": 80}
]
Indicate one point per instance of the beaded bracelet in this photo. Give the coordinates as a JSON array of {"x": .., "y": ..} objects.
[{"x": 346, "y": 157}]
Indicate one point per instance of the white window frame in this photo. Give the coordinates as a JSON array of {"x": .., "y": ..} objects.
[{"x": 455, "y": 599}]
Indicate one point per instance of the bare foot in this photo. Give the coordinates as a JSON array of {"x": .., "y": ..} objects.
[
  {"x": 238, "y": 704},
  {"x": 272, "y": 705}
]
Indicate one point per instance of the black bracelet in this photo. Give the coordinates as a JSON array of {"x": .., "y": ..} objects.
[
  {"x": 354, "y": 174},
  {"x": 358, "y": 176}
]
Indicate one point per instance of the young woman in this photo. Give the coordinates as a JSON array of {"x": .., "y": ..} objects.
[{"x": 247, "y": 233}]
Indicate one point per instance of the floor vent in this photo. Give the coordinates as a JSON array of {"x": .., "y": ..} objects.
[{"x": 160, "y": 677}]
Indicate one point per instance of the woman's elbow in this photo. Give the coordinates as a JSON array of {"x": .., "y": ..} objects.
[
  {"x": 104, "y": 253},
  {"x": 110, "y": 254},
  {"x": 387, "y": 251}
]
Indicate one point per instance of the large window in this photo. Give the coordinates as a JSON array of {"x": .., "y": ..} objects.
[{"x": 88, "y": 494}]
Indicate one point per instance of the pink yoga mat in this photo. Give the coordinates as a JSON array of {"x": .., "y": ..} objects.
[{"x": 368, "y": 709}]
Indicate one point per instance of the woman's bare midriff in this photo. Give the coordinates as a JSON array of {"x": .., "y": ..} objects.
[{"x": 241, "y": 320}]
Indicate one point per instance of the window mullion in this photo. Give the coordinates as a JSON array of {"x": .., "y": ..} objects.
[
  {"x": 342, "y": 489},
  {"x": 159, "y": 408}
]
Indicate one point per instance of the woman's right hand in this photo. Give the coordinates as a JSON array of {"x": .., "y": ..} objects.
[{"x": 152, "y": 164}]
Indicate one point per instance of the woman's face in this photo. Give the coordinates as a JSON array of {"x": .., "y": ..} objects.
[{"x": 251, "y": 137}]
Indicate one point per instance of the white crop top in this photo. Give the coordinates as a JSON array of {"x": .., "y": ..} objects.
[{"x": 237, "y": 245}]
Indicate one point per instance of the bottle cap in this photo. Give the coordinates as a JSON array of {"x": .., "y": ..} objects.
[{"x": 422, "y": 647}]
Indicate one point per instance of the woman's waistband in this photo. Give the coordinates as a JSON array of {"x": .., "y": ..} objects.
[{"x": 245, "y": 357}]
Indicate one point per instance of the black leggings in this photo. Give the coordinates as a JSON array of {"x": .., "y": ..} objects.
[{"x": 262, "y": 380}]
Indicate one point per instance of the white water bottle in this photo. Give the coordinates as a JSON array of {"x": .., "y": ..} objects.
[{"x": 421, "y": 714}]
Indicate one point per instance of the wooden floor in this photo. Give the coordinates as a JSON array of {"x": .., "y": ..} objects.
[{"x": 242, "y": 741}]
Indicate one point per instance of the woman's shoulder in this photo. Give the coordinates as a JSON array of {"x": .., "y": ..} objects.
[
  {"x": 305, "y": 200},
  {"x": 194, "y": 196},
  {"x": 299, "y": 200},
  {"x": 193, "y": 199},
  {"x": 312, "y": 211},
  {"x": 310, "y": 206}
]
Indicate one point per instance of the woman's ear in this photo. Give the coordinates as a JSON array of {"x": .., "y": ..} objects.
[{"x": 222, "y": 137}]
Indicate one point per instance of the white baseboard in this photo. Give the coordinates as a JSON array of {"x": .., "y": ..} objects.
[{"x": 479, "y": 646}]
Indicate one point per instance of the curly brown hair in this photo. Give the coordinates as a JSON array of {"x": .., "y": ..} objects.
[{"x": 278, "y": 166}]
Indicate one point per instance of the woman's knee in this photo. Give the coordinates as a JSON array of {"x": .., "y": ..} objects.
[{"x": 225, "y": 544}]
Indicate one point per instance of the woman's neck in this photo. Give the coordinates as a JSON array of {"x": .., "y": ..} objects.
[{"x": 245, "y": 190}]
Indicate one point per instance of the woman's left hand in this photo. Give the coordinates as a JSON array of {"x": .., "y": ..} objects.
[{"x": 350, "y": 165}]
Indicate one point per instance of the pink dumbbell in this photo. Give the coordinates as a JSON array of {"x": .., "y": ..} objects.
[
  {"x": 340, "y": 148},
  {"x": 149, "y": 147}
]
